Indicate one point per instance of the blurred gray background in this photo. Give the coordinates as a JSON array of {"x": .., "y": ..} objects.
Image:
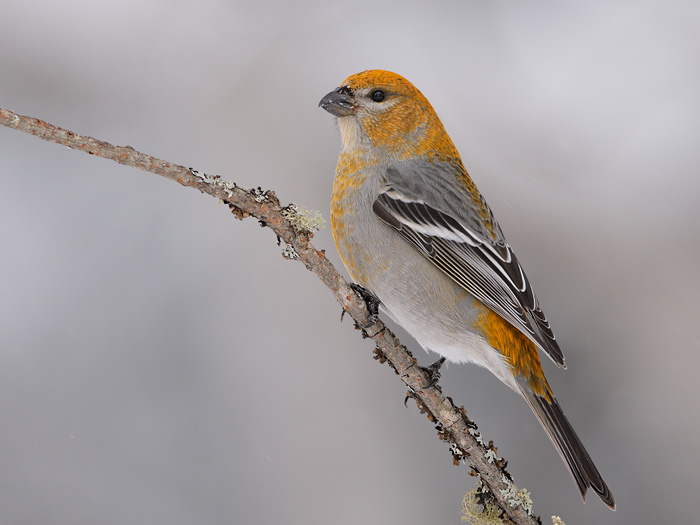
[{"x": 161, "y": 363}]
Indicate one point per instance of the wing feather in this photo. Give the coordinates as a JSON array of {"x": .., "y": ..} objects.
[{"x": 488, "y": 270}]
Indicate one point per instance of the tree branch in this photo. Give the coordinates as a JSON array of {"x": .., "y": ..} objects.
[{"x": 451, "y": 422}]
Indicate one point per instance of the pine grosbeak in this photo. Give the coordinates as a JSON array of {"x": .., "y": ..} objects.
[{"x": 411, "y": 227}]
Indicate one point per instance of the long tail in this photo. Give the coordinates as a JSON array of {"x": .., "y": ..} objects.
[{"x": 569, "y": 446}]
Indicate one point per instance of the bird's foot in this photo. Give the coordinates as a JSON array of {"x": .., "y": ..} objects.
[
  {"x": 433, "y": 372},
  {"x": 372, "y": 303}
]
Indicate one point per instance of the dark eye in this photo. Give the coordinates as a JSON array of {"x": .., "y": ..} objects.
[{"x": 377, "y": 95}]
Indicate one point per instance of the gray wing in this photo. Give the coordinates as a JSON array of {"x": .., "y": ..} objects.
[{"x": 461, "y": 246}]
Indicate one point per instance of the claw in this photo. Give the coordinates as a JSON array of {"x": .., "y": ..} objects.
[
  {"x": 433, "y": 372},
  {"x": 411, "y": 393}
]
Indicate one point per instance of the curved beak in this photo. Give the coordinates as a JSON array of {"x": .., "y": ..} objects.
[{"x": 338, "y": 103}]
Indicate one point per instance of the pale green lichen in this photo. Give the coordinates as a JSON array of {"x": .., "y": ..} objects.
[
  {"x": 259, "y": 194},
  {"x": 476, "y": 514},
  {"x": 516, "y": 498},
  {"x": 491, "y": 456},
  {"x": 474, "y": 432},
  {"x": 457, "y": 453},
  {"x": 556, "y": 520},
  {"x": 288, "y": 252},
  {"x": 302, "y": 219},
  {"x": 215, "y": 180}
]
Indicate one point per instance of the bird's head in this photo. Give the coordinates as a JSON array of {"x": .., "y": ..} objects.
[{"x": 384, "y": 111}]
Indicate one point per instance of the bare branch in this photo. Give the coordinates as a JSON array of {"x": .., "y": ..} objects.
[{"x": 451, "y": 422}]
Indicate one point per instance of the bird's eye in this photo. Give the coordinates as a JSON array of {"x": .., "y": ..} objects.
[{"x": 377, "y": 95}]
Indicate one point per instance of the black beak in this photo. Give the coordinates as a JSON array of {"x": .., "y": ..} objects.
[{"x": 338, "y": 103}]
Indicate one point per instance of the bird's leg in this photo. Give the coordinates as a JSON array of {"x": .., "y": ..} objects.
[{"x": 372, "y": 302}]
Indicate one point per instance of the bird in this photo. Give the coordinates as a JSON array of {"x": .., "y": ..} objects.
[{"x": 412, "y": 229}]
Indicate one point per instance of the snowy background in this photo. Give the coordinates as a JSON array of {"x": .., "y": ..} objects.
[{"x": 161, "y": 363}]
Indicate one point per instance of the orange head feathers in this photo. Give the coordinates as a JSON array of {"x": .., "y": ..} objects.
[{"x": 393, "y": 114}]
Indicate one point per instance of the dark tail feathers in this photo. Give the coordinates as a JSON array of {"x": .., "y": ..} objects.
[{"x": 569, "y": 446}]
